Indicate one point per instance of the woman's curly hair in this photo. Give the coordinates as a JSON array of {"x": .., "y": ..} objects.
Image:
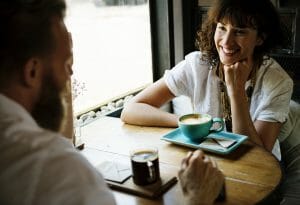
[{"x": 258, "y": 14}]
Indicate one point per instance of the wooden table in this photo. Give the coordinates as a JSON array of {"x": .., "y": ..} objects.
[{"x": 251, "y": 172}]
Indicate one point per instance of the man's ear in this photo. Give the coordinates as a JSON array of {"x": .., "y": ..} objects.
[{"x": 32, "y": 72}]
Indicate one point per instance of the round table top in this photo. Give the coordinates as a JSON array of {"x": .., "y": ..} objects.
[{"x": 251, "y": 172}]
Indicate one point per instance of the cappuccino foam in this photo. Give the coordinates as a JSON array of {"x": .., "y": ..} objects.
[{"x": 193, "y": 120}]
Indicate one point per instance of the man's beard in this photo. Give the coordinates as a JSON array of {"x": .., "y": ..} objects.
[{"x": 49, "y": 111}]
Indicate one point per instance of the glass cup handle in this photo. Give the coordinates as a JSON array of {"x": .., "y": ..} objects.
[{"x": 151, "y": 170}]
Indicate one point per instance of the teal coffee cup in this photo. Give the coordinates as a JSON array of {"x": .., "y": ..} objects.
[{"x": 198, "y": 126}]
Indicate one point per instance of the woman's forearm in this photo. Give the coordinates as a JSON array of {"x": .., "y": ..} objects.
[
  {"x": 241, "y": 119},
  {"x": 144, "y": 114}
]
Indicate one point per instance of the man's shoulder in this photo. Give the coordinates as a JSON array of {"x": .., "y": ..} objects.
[
  {"x": 73, "y": 172},
  {"x": 44, "y": 165}
]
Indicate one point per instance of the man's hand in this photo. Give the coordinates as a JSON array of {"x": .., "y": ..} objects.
[{"x": 200, "y": 179}]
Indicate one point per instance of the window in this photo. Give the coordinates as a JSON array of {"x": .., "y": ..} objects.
[{"x": 112, "y": 49}]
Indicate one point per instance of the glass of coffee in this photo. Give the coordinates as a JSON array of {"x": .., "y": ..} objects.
[{"x": 144, "y": 165}]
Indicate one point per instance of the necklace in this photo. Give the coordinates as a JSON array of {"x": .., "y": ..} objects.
[{"x": 225, "y": 101}]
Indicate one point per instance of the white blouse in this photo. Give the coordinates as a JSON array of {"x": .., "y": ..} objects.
[{"x": 195, "y": 79}]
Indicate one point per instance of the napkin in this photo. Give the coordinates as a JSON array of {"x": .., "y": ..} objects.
[
  {"x": 218, "y": 143},
  {"x": 114, "y": 171}
]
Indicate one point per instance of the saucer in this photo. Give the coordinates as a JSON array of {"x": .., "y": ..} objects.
[{"x": 177, "y": 137}]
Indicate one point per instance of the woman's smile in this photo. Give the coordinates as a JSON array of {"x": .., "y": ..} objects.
[{"x": 235, "y": 44}]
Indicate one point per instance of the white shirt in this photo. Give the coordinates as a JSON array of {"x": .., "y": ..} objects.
[
  {"x": 195, "y": 79},
  {"x": 38, "y": 166},
  {"x": 290, "y": 131}
]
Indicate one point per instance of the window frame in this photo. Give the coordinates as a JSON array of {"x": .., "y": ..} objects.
[{"x": 169, "y": 42}]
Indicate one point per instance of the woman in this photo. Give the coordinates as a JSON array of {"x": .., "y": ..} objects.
[{"x": 231, "y": 76}]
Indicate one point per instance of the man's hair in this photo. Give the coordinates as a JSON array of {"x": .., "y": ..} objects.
[
  {"x": 25, "y": 32},
  {"x": 258, "y": 14}
]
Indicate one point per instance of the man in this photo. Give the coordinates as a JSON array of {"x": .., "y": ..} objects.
[{"x": 37, "y": 164}]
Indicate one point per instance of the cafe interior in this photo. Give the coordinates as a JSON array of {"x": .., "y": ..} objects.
[
  {"x": 251, "y": 173},
  {"x": 140, "y": 164}
]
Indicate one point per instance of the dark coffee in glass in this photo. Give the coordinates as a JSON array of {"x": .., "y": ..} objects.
[{"x": 145, "y": 166}]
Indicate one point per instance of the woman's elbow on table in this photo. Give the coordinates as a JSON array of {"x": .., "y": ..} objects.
[
  {"x": 132, "y": 113},
  {"x": 125, "y": 114}
]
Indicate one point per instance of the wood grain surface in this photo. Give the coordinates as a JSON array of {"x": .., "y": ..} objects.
[{"x": 251, "y": 172}]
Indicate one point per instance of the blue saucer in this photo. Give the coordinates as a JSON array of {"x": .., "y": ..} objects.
[{"x": 177, "y": 137}]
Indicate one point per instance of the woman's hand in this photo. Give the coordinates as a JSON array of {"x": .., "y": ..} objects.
[{"x": 236, "y": 76}]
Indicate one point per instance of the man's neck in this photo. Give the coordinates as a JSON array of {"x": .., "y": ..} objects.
[{"x": 20, "y": 96}]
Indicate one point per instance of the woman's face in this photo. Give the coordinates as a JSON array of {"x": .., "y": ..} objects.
[{"x": 235, "y": 44}]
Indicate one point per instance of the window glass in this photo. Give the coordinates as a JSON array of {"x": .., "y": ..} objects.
[{"x": 112, "y": 49}]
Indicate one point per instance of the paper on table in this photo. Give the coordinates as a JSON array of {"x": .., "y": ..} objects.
[
  {"x": 218, "y": 143},
  {"x": 225, "y": 142},
  {"x": 115, "y": 172},
  {"x": 212, "y": 144}
]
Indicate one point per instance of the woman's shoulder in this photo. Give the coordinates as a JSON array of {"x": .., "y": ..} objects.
[
  {"x": 194, "y": 59},
  {"x": 271, "y": 69},
  {"x": 195, "y": 56},
  {"x": 273, "y": 78}
]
